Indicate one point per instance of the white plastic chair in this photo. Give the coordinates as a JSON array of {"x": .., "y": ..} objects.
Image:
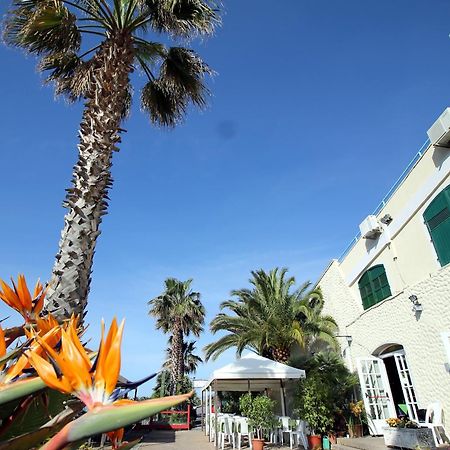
[
  {"x": 273, "y": 435},
  {"x": 299, "y": 435},
  {"x": 433, "y": 414},
  {"x": 226, "y": 431},
  {"x": 242, "y": 430},
  {"x": 433, "y": 420},
  {"x": 275, "y": 431},
  {"x": 284, "y": 427}
]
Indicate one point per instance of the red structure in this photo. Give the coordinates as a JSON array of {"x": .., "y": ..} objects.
[{"x": 162, "y": 421}]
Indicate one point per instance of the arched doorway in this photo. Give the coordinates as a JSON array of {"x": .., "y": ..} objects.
[
  {"x": 387, "y": 387},
  {"x": 400, "y": 380}
]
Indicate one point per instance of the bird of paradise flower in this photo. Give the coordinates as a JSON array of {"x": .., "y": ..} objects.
[{"x": 70, "y": 370}]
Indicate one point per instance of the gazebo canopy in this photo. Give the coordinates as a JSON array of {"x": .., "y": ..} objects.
[
  {"x": 252, "y": 371},
  {"x": 249, "y": 373}
]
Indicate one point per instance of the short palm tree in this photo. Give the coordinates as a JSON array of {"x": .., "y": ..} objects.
[
  {"x": 270, "y": 318},
  {"x": 178, "y": 311},
  {"x": 89, "y": 48}
]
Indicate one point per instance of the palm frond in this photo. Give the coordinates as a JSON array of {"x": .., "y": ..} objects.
[
  {"x": 164, "y": 106},
  {"x": 185, "y": 18},
  {"x": 149, "y": 52},
  {"x": 215, "y": 349},
  {"x": 183, "y": 71},
  {"x": 42, "y": 27},
  {"x": 71, "y": 75}
]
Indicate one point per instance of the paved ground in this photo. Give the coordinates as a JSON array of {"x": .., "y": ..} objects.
[
  {"x": 181, "y": 440},
  {"x": 175, "y": 440},
  {"x": 364, "y": 443},
  {"x": 196, "y": 440}
]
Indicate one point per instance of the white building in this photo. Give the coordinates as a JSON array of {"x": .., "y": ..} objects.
[{"x": 390, "y": 291}]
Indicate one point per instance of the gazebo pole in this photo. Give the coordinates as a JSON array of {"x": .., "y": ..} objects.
[
  {"x": 283, "y": 398},
  {"x": 202, "y": 408},
  {"x": 216, "y": 405},
  {"x": 206, "y": 413},
  {"x": 210, "y": 410}
]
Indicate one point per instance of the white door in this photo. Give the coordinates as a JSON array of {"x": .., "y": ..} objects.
[
  {"x": 407, "y": 385},
  {"x": 376, "y": 393}
]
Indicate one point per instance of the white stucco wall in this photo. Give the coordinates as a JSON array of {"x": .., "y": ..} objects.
[
  {"x": 393, "y": 321},
  {"x": 406, "y": 250}
]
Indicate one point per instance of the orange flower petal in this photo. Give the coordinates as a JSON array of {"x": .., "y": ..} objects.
[
  {"x": 74, "y": 365},
  {"x": 46, "y": 371},
  {"x": 2, "y": 342},
  {"x": 112, "y": 361},
  {"x": 9, "y": 296},
  {"x": 37, "y": 289},
  {"x": 23, "y": 293},
  {"x": 108, "y": 360},
  {"x": 2, "y": 345}
]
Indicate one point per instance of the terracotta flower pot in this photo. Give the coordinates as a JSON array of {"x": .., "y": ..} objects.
[
  {"x": 332, "y": 438},
  {"x": 314, "y": 441},
  {"x": 257, "y": 444},
  {"x": 355, "y": 430}
]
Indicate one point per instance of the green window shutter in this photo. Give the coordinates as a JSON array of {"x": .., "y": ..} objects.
[
  {"x": 374, "y": 286},
  {"x": 437, "y": 218}
]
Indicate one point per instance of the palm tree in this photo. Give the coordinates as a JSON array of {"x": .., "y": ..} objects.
[
  {"x": 271, "y": 317},
  {"x": 178, "y": 311},
  {"x": 89, "y": 48},
  {"x": 190, "y": 359}
]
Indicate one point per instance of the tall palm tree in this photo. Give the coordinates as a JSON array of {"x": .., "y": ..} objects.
[
  {"x": 89, "y": 48},
  {"x": 178, "y": 311},
  {"x": 190, "y": 359},
  {"x": 270, "y": 318}
]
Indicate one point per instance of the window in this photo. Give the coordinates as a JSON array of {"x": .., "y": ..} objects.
[
  {"x": 437, "y": 218},
  {"x": 374, "y": 286}
]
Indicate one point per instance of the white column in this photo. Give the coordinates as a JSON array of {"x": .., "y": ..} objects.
[
  {"x": 202, "y": 403},
  {"x": 207, "y": 409},
  {"x": 216, "y": 407},
  {"x": 211, "y": 431}
]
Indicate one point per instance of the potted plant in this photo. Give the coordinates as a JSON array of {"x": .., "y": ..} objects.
[
  {"x": 355, "y": 421},
  {"x": 405, "y": 433},
  {"x": 340, "y": 426},
  {"x": 259, "y": 411},
  {"x": 324, "y": 395},
  {"x": 315, "y": 405}
]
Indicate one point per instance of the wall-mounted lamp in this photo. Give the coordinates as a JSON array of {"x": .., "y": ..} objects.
[
  {"x": 416, "y": 305},
  {"x": 386, "y": 219},
  {"x": 349, "y": 338}
]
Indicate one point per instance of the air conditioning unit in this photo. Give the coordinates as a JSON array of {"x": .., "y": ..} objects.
[
  {"x": 370, "y": 228},
  {"x": 439, "y": 133}
]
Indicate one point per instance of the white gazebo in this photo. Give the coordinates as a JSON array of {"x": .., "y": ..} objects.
[{"x": 249, "y": 373}]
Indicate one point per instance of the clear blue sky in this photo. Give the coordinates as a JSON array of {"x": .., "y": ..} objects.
[{"x": 318, "y": 106}]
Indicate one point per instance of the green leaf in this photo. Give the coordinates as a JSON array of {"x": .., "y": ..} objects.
[
  {"x": 111, "y": 417},
  {"x": 31, "y": 413},
  {"x": 19, "y": 389},
  {"x": 34, "y": 438}
]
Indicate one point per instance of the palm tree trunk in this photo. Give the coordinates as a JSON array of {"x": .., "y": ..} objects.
[
  {"x": 177, "y": 356},
  {"x": 86, "y": 200}
]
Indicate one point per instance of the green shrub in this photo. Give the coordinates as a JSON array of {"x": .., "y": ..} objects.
[{"x": 259, "y": 411}]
